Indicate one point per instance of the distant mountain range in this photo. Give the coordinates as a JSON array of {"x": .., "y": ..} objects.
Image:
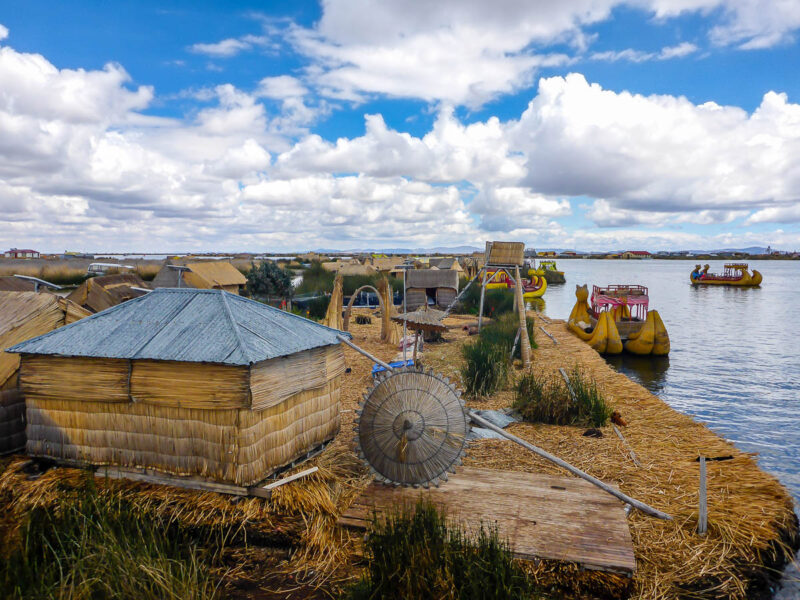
[{"x": 471, "y": 249}]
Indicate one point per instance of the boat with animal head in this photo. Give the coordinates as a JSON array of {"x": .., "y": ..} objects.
[{"x": 735, "y": 274}]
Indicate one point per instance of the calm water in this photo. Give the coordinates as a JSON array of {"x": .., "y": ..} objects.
[
  {"x": 733, "y": 362},
  {"x": 734, "y": 353}
]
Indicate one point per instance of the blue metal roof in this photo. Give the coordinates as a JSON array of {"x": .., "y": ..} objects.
[{"x": 188, "y": 325}]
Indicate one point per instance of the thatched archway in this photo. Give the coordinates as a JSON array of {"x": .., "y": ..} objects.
[
  {"x": 389, "y": 332},
  {"x": 346, "y": 323}
]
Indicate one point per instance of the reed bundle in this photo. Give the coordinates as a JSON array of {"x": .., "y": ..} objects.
[
  {"x": 389, "y": 333},
  {"x": 333, "y": 318}
]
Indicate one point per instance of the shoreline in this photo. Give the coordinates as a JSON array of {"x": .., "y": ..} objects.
[{"x": 291, "y": 542}]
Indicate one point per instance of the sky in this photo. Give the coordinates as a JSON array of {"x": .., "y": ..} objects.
[{"x": 136, "y": 126}]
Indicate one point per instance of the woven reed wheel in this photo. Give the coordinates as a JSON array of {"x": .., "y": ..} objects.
[{"x": 412, "y": 428}]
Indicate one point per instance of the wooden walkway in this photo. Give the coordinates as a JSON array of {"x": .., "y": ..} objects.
[{"x": 541, "y": 516}]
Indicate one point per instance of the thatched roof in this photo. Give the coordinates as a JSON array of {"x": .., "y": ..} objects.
[
  {"x": 15, "y": 284},
  {"x": 506, "y": 253},
  {"x": 186, "y": 325},
  {"x": 432, "y": 278},
  {"x": 447, "y": 263},
  {"x": 427, "y": 319},
  {"x": 99, "y": 293},
  {"x": 210, "y": 274},
  {"x": 349, "y": 270},
  {"x": 24, "y": 315}
]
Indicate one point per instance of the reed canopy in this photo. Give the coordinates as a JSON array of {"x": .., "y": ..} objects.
[
  {"x": 185, "y": 382},
  {"x": 24, "y": 315}
]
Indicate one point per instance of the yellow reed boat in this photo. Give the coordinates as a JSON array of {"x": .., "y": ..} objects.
[
  {"x": 736, "y": 274},
  {"x": 535, "y": 287},
  {"x": 548, "y": 270},
  {"x": 618, "y": 319}
]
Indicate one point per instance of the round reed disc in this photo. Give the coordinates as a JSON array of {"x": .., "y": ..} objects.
[{"x": 412, "y": 428}]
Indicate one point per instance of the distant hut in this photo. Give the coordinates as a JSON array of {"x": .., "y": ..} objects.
[
  {"x": 444, "y": 264},
  {"x": 185, "y": 382},
  {"x": 357, "y": 269},
  {"x": 24, "y": 315},
  {"x": 99, "y": 293},
  {"x": 430, "y": 286},
  {"x": 206, "y": 275}
]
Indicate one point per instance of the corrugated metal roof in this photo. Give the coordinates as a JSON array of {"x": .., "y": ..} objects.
[{"x": 186, "y": 325}]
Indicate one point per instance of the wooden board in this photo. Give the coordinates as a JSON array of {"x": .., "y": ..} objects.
[{"x": 542, "y": 516}]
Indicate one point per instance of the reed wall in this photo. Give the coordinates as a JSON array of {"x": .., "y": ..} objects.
[{"x": 183, "y": 419}]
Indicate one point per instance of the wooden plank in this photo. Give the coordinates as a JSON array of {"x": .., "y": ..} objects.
[
  {"x": 541, "y": 516},
  {"x": 185, "y": 483},
  {"x": 702, "y": 523},
  {"x": 548, "y": 334}
]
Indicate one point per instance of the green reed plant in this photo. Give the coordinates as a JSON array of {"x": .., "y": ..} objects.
[
  {"x": 503, "y": 331},
  {"x": 485, "y": 367},
  {"x": 96, "y": 546},
  {"x": 542, "y": 399},
  {"x": 592, "y": 406},
  {"x": 416, "y": 553}
]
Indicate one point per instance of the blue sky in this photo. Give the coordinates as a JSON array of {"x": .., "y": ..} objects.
[{"x": 592, "y": 124}]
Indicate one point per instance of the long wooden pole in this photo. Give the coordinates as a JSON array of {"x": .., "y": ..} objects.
[
  {"x": 702, "y": 521},
  {"x": 525, "y": 343},
  {"x": 483, "y": 293},
  {"x": 574, "y": 470},
  {"x": 347, "y": 342}
]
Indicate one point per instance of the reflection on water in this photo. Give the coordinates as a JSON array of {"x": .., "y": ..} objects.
[{"x": 648, "y": 371}]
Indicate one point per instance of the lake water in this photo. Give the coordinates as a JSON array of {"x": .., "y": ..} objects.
[{"x": 734, "y": 353}]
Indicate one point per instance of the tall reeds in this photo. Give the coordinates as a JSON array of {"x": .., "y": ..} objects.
[
  {"x": 97, "y": 546},
  {"x": 416, "y": 553},
  {"x": 548, "y": 400}
]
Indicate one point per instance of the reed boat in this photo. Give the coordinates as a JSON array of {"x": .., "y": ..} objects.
[
  {"x": 548, "y": 270},
  {"x": 618, "y": 318},
  {"x": 736, "y": 274},
  {"x": 534, "y": 287}
]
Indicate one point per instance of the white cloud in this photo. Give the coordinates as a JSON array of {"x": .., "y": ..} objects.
[
  {"x": 658, "y": 153},
  {"x": 3, "y": 32},
  {"x": 280, "y": 87},
  {"x": 222, "y": 49},
  {"x": 638, "y": 56}
]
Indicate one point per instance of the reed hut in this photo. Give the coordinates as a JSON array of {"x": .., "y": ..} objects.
[
  {"x": 187, "y": 382},
  {"x": 99, "y": 293},
  {"x": 24, "y": 315},
  {"x": 206, "y": 275},
  {"x": 430, "y": 286}
]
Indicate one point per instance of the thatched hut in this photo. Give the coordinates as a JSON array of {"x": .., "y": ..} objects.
[
  {"x": 185, "y": 382},
  {"x": 99, "y": 293},
  {"x": 440, "y": 286},
  {"x": 206, "y": 275},
  {"x": 24, "y": 315}
]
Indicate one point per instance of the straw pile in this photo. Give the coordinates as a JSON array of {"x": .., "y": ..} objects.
[
  {"x": 333, "y": 318},
  {"x": 227, "y": 423}
]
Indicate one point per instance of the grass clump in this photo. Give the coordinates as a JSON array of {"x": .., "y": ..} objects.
[
  {"x": 592, "y": 406},
  {"x": 548, "y": 400},
  {"x": 485, "y": 367},
  {"x": 495, "y": 302},
  {"x": 503, "y": 330},
  {"x": 416, "y": 554},
  {"x": 96, "y": 546}
]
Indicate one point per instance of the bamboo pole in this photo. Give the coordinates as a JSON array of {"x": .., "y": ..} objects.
[
  {"x": 702, "y": 521},
  {"x": 548, "y": 335},
  {"x": 347, "y": 342},
  {"x": 634, "y": 458},
  {"x": 574, "y": 470},
  {"x": 525, "y": 342}
]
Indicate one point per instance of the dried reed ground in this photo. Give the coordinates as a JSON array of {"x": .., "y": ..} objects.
[{"x": 750, "y": 513}]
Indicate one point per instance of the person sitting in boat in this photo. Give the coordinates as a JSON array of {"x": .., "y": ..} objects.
[{"x": 696, "y": 273}]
